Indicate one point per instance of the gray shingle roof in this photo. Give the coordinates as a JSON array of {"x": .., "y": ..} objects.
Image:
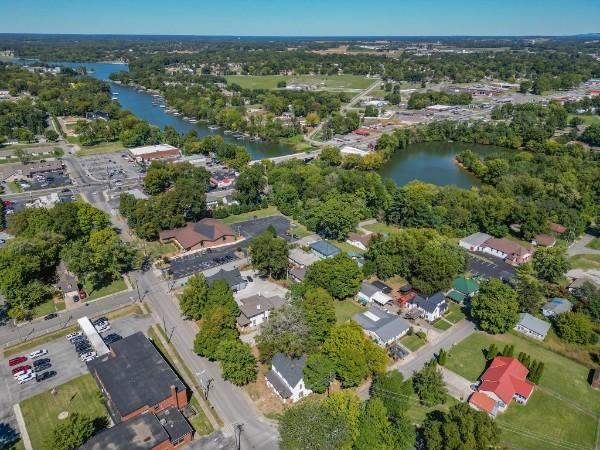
[
  {"x": 233, "y": 277},
  {"x": 534, "y": 324},
  {"x": 291, "y": 369},
  {"x": 385, "y": 325},
  {"x": 257, "y": 304},
  {"x": 368, "y": 289},
  {"x": 430, "y": 303}
]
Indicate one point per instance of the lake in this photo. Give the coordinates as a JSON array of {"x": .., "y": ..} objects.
[{"x": 434, "y": 162}]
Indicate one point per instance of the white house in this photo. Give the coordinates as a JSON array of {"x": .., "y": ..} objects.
[
  {"x": 474, "y": 242},
  {"x": 286, "y": 377},
  {"x": 255, "y": 310},
  {"x": 370, "y": 293},
  {"x": 432, "y": 308},
  {"x": 359, "y": 240},
  {"x": 532, "y": 326}
]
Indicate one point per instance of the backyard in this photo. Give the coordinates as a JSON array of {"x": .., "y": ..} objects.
[
  {"x": 270, "y": 211},
  {"x": 80, "y": 395},
  {"x": 381, "y": 228},
  {"x": 345, "y": 309},
  {"x": 454, "y": 313}
]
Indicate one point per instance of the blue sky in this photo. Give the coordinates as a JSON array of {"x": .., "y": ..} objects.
[{"x": 302, "y": 17}]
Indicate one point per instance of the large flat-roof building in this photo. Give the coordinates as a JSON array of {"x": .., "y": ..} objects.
[
  {"x": 136, "y": 379},
  {"x": 150, "y": 153}
]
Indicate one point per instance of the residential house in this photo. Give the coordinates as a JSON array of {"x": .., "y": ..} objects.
[
  {"x": 67, "y": 282},
  {"x": 556, "y": 306},
  {"x": 511, "y": 252},
  {"x": 544, "y": 240},
  {"x": 136, "y": 379},
  {"x": 166, "y": 430},
  {"x": 532, "y": 326},
  {"x": 431, "y": 308},
  {"x": 298, "y": 274},
  {"x": 406, "y": 294},
  {"x": 557, "y": 228},
  {"x": 474, "y": 242},
  {"x": 286, "y": 377},
  {"x": 204, "y": 234},
  {"x": 359, "y": 240},
  {"x": 463, "y": 288},
  {"x": 233, "y": 278},
  {"x": 575, "y": 287},
  {"x": 382, "y": 326},
  {"x": 370, "y": 293},
  {"x": 504, "y": 380},
  {"x": 324, "y": 250},
  {"x": 255, "y": 310},
  {"x": 382, "y": 286},
  {"x": 301, "y": 258}
]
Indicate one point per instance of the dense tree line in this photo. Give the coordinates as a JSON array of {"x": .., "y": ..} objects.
[{"x": 418, "y": 100}]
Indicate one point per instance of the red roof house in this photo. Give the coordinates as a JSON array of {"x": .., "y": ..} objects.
[
  {"x": 557, "y": 228},
  {"x": 504, "y": 380}
]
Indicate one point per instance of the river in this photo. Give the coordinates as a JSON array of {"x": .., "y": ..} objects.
[{"x": 432, "y": 162}]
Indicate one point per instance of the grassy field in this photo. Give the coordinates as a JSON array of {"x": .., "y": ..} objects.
[
  {"x": 546, "y": 422},
  {"x": 335, "y": 82},
  {"x": 442, "y": 324},
  {"x": 594, "y": 243},
  {"x": 114, "y": 287},
  {"x": 80, "y": 395},
  {"x": 585, "y": 262},
  {"x": 381, "y": 228},
  {"x": 454, "y": 313},
  {"x": 417, "y": 412},
  {"x": 270, "y": 211},
  {"x": 47, "y": 307},
  {"x": 588, "y": 119},
  {"x": 344, "y": 310},
  {"x": 561, "y": 375},
  {"x": 156, "y": 249},
  {"x": 107, "y": 147},
  {"x": 413, "y": 342}
]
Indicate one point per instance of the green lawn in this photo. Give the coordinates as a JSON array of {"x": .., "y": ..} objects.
[
  {"x": 585, "y": 262},
  {"x": 381, "y": 228},
  {"x": 345, "y": 309},
  {"x": 442, "y": 324},
  {"x": 417, "y": 412},
  {"x": 588, "y": 119},
  {"x": 412, "y": 342},
  {"x": 14, "y": 186},
  {"x": 594, "y": 243},
  {"x": 347, "y": 248},
  {"x": 270, "y": 211},
  {"x": 546, "y": 423},
  {"x": 106, "y": 147},
  {"x": 80, "y": 395},
  {"x": 46, "y": 308},
  {"x": 334, "y": 82},
  {"x": 114, "y": 287},
  {"x": 156, "y": 249},
  {"x": 561, "y": 375},
  {"x": 454, "y": 313}
]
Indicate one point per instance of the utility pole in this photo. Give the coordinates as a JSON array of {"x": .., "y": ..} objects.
[
  {"x": 238, "y": 427},
  {"x": 205, "y": 385}
]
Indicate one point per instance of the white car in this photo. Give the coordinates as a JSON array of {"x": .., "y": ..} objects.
[
  {"x": 26, "y": 378},
  {"x": 38, "y": 353},
  {"x": 89, "y": 358},
  {"x": 73, "y": 335},
  {"x": 85, "y": 356},
  {"x": 103, "y": 328},
  {"x": 22, "y": 373}
]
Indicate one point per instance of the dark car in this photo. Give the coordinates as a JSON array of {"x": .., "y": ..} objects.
[
  {"x": 82, "y": 347},
  {"x": 50, "y": 316},
  {"x": 41, "y": 362},
  {"x": 42, "y": 367},
  {"x": 250, "y": 279},
  {"x": 17, "y": 360},
  {"x": 397, "y": 352},
  {"x": 45, "y": 375}
]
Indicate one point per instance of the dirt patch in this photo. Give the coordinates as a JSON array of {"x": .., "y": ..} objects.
[{"x": 263, "y": 397}]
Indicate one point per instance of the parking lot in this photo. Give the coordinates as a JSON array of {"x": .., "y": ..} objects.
[
  {"x": 488, "y": 266},
  {"x": 65, "y": 362},
  {"x": 186, "y": 265},
  {"x": 46, "y": 181},
  {"x": 110, "y": 166}
]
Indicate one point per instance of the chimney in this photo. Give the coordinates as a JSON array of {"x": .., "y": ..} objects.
[
  {"x": 174, "y": 395},
  {"x": 258, "y": 306}
]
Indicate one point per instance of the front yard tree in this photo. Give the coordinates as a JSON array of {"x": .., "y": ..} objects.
[
  {"x": 309, "y": 425},
  {"x": 530, "y": 290},
  {"x": 319, "y": 372},
  {"x": 193, "y": 299},
  {"x": 551, "y": 263},
  {"x": 429, "y": 385},
  {"x": 340, "y": 276},
  {"x": 220, "y": 295},
  {"x": 495, "y": 306},
  {"x": 237, "y": 362},
  {"x": 71, "y": 433},
  {"x": 375, "y": 431},
  {"x": 319, "y": 313},
  {"x": 345, "y": 404},
  {"x": 574, "y": 327},
  {"x": 461, "y": 427},
  {"x": 269, "y": 254},
  {"x": 286, "y": 331},
  {"x": 250, "y": 185},
  {"x": 216, "y": 327}
]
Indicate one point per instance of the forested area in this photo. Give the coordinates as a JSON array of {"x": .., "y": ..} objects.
[{"x": 419, "y": 100}]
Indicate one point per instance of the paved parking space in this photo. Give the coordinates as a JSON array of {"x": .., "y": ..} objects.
[
  {"x": 65, "y": 362},
  {"x": 46, "y": 181},
  {"x": 186, "y": 265},
  {"x": 489, "y": 266},
  {"x": 110, "y": 166}
]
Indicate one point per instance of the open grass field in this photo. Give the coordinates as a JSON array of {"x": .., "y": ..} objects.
[
  {"x": 454, "y": 313},
  {"x": 47, "y": 307},
  {"x": 80, "y": 395},
  {"x": 412, "y": 342},
  {"x": 345, "y": 309},
  {"x": 594, "y": 243},
  {"x": 334, "y": 82},
  {"x": 381, "y": 228},
  {"x": 270, "y": 211},
  {"x": 588, "y": 119},
  {"x": 107, "y": 147},
  {"x": 585, "y": 262},
  {"x": 114, "y": 287},
  {"x": 562, "y": 376},
  {"x": 417, "y": 412}
]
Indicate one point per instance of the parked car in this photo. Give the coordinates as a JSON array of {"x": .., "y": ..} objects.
[
  {"x": 45, "y": 375},
  {"x": 100, "y": 319},
  {"x": 18, "y": 370},
  {"x": 85, "y": 356},
  {"x": 22, "y": 374},
  {"x": 25, "y": 379},
  {"x": 50, "y": 316},
  {"x": 89, "y": 358},
  {"x": 41, "y": 367},
  {"x": 74, "y": 335},
  {"x": 82, "y": 294},
  {"x": 17, "y": 360},
  {"x": 41, "y": 362},
  {"x": 397, "y": 352},
  {"x": 38, "y": 353},
  {"x": 103, "y": 328}
]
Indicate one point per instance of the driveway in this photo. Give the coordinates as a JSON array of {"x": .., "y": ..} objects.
[
  {"x": 579, "y": 246},
  {"x": 458, "y": 387}
]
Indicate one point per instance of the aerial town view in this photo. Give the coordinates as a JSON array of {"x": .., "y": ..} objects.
[{"x": 300, "y": 226}]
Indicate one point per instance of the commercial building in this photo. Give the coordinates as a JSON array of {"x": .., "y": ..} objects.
[
  {"x": 136, "y": 379},
  {"x": 286, "y": 377},
  {"x": 511, "y": 252},
  {"x": 150, "y": 153},
  {"x": 382, "y": 326},
  {"x": 204, "y": 234}
]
